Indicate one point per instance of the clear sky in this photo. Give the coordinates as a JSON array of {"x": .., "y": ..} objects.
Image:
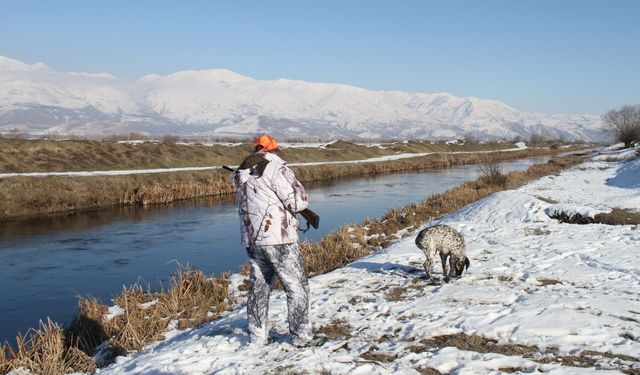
[{"x": 556, "y": 56}]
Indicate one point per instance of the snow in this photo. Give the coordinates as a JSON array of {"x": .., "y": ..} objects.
[
  {"x": 607, "y": 185},
  {"x": 114, "y": 311},
  {"x": 533, "y": 281}
]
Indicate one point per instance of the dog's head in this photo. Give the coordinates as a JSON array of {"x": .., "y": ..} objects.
[{"x": 460, "y": 265}]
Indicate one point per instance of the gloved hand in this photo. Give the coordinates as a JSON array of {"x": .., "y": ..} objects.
[{"x": 255, "y": 162}]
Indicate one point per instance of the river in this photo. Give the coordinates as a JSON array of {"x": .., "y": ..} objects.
[{"x": 45, "y": 264}]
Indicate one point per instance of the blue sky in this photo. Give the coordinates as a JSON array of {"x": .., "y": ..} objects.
[{"x": 540, "y": 56}]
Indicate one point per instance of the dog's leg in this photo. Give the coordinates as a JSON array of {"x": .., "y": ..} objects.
[
  {"x": 445, "y": 272},
  {"x": 451, "y": 269},
  {"x": 428, "y": 264},
  {"x": 427, "y": 268}
]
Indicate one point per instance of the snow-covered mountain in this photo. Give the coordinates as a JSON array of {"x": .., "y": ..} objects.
[{"x": 37, "y": 100}]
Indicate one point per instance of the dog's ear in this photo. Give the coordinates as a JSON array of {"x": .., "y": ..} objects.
[{"x": 466, "y": 263}]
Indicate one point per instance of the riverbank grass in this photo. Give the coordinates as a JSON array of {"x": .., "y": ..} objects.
[{"x": 28, "y": 197}]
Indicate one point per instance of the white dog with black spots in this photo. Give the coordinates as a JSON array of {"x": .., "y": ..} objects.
[{"x": 446, "y": 241}]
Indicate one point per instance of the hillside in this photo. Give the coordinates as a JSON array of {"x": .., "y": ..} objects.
[{"x": 36, "y": 99}]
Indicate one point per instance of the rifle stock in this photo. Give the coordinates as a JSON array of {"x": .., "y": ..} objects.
[{"x": 311, "y": 217}]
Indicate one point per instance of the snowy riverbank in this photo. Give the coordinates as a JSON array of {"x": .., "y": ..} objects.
[{"x": 562, "y": 289}]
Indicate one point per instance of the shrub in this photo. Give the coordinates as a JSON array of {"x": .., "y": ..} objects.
[
  {"x": 169, "y": 139},
  {"x": 491, "y": 174},
  {"x": 624, "y": 124},
  {"x": 538, "y": 138}
]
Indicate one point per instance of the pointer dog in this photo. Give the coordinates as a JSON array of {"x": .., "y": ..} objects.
[{"x": 450, "y": 244}]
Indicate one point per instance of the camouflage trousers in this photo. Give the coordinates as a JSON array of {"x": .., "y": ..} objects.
[{"x": 284, "y": 262}]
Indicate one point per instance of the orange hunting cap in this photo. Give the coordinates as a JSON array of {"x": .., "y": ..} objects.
[{"x": 267, "y": 142}]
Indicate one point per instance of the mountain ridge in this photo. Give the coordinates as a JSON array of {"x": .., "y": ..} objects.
[{"x": 223, "y": 103}]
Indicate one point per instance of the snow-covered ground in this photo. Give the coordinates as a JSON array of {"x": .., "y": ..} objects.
[{"x": 562, "y": 288}]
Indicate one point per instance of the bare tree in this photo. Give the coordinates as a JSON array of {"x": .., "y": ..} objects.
[
  {"x": 169, "y": 139},
  {"x": 538, "y": 138},
  {"x": 624, "y": 123},
  {"x": 491, "y": 173}
]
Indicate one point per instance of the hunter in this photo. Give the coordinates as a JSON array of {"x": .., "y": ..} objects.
[{"x": 269, "y": 196}]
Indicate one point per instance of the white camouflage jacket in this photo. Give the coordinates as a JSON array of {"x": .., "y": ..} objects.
[{"x": 267, "y": 204}]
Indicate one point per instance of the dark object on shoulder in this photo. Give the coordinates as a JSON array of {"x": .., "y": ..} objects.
[
  {"x": 311, "y": 217},
  {"x": 255, "y": 162}
]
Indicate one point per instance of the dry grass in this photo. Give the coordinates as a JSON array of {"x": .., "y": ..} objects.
[
  {"x": 39, "y": 196},
  {"x": 335, "y": 330},
  {"x": 617, "y": 216},
  {"x": 45, "y": 351},
  {"x": 428, "y": 371},
  {"x": 140, "y": 324},
  {"x": 86, "y": 328},
  {"x": 340, "y": 247},
  {"x": 546, "y": 281},
  {"x": 191, "y": 300},
  {"x": 482, "y": 344},
  {"x": 21, "y": 155},
  {"x": 33, "y": 196},
  {"x": 376, "y": 355},
  {"x": 472, "y": 343}
]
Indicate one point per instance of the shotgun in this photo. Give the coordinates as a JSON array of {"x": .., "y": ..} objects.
[{"x": 312, "y": 219}]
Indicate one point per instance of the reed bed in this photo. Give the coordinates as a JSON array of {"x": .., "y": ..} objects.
[
  {"x": 193, "y": 298},
  {"x": 45, "y": 351}
]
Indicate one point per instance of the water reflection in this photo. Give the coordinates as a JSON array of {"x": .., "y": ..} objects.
[{"x": 79, "y": 221}]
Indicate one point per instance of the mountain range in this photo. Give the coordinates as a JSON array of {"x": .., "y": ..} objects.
[{"x": 37, "y": 100}]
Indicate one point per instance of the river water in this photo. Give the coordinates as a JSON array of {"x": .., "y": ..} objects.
[{"x": 45, "y": 264}]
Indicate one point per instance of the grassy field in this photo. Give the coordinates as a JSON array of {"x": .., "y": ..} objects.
[
  {"x": 22, "y": 196},
  {"x": 19, "y": 155}
]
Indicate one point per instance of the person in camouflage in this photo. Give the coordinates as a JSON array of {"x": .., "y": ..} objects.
[{"x": 269, "y": 196}]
